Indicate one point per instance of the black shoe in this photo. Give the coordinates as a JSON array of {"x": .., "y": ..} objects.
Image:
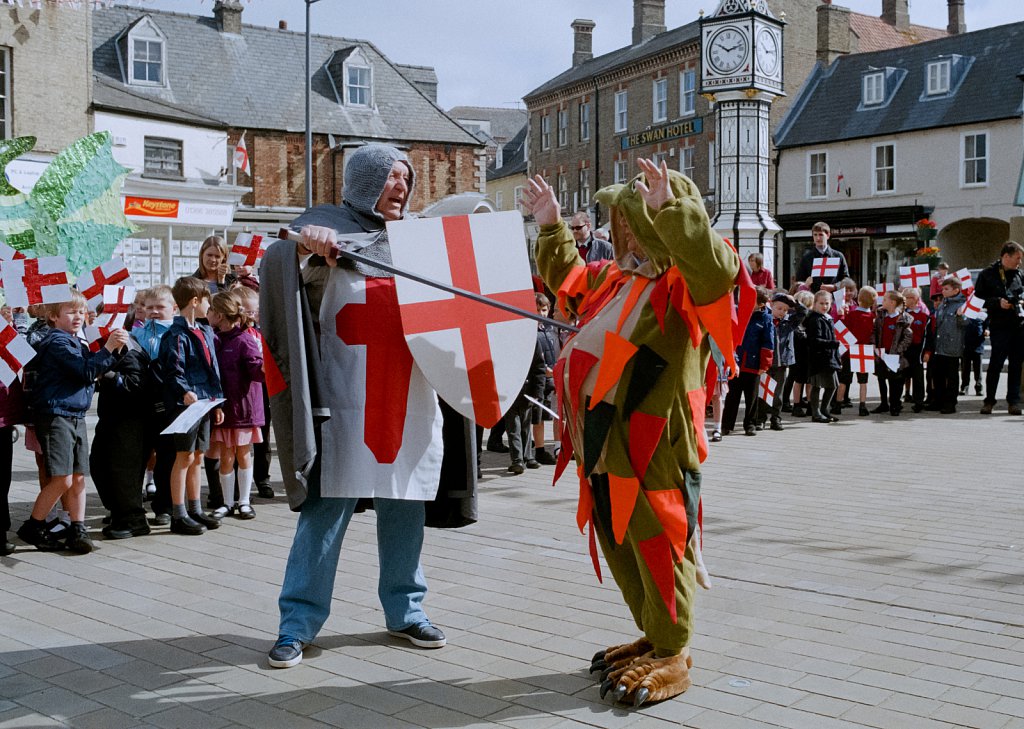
[
  {"x": 516, "y": 469},
  {"x": 787, "y": 408},
  {"x": 846, "y": 403},
  {"x": 882, "y": 408},
  {"x": 863, "y": 410},
  {"x": 544, "y": 458},
  {"x": 836, "y": 409},
  {"x": 205, "y": 519},
  {"x": 749, "y": 430},
  {"x": 1013, "y": 409},
  {"x": 716, "y": 436},
  {"x": 963, "y": 391},
  {"x": 800, "y": 410},
  {"x": 977, "y": 388},
  {"x": 245, "y": 511},
  {"x": 126, "y": 531},
  {"x": 986, "y": 408},
  {"x": 818, "y": 418},
  {"x": 186, "y": 525},
  {"x": 77, "y": 539},
  {"x": 895, "y": 412},
  {"x": 9, "y": 548},
  {"x": 497, "y": 448},
  {"x": 531, "y": 463},
  {"x": 287, "y": 652},
  {"x": 777, "y": 424},
  {"x": 264, "y": 491},
  {"x": 37, "y": 535},
  {"x": 160, "y": 519},
  {"x": 423, "y": 635}
]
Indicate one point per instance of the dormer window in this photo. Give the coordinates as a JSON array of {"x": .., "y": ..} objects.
[
  {"x": 352, "y": 76},
  {"x": 144, "y": 50},
  {"x": 357, "y": 90},
  {"x": 874, "y": 89},
  {"x": 938, "y": 75}
]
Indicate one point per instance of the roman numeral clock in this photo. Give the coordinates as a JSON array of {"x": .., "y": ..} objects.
[{"x": 741, "y": 73}]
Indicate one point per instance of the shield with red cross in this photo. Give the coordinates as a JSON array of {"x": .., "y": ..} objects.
[{"x": 474, "y": 355}]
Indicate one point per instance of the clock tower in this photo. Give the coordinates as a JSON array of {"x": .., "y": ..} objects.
[{"x": 741, "y": 73}]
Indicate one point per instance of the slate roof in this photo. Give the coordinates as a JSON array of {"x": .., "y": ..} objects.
[
  {"x": 505, "y": 123},
  {"x": 512, "y": 154},
  {"x": 255, "y": 80},
  {"x": 121, "y": 98},
  {"x": 826, "y": 109},
  {"x": 621, "y": 57},
  {"x": 874, "y": 34}
]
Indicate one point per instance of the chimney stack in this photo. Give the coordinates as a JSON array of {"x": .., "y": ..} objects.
[
  {"x": 957, "y": 21},
  {"x": 582, "y": 40},
  {"x": 229, "y": 16},
  {"x": 833, "y": 32},
  {"x": 896, "y": 13},
  {"x": 648, "y": 19}
]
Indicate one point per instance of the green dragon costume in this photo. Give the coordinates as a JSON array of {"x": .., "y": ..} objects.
[{"x": 631, "y": 389}]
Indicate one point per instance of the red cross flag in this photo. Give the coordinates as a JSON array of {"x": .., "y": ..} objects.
[
  {"x": 94, "y": 337},
  {"x": 248, "y": 249},
  {"x": 862, "y": 358},
  {"x": 768, "y": 386},
  {"x": 475, "y": 356},
  {"x": 966, "y": 282},
  {"x": 914, "y": 277},
  {"x": 974, "y": 308},
  {"x": 825, "y": 267},
  {"x": 882, "y": 289},
  {"x": 15, "y": 352},
  {"x": 116, "y": 300},
  {"x": 30, "y": 281},
  {"x": 9, "y": 254},
  {"x": 844, "y": 335},
  {"x": 241, "y": 158},
  {"x": 92, "y": 282}
]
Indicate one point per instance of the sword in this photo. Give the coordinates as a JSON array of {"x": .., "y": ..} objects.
[{"x": 293, "y": 235}]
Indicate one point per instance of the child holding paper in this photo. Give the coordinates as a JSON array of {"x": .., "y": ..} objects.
[
  {"x": 65, "y": 373},
  {"x": 947, "y": 344},
  {"x": 822, "y": 358},
  {"x": 189, "y": 373},
  {"x": 798, "y": 377},
  {"x": 920, "y": 323},
  {"x": 860, "y": 320},
  {"x": 241, "y": 368},
  {"x": 893, "y": 337},
  {"x": 754, "y": 356}
]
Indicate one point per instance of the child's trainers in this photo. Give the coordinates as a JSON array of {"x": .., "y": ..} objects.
[
  {"x": 77, "y": 539},
  {"x": 36, "y": 534}
]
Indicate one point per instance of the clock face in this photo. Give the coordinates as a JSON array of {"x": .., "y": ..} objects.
[
  {"x": 767, "y": 52},
  {"x": 727, "y": 50}
]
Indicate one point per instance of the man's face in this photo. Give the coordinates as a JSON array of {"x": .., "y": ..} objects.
[
  {"x": 396, "y": 192},
  {"x": 580, "y": 227},
  {"x": 1012, "y": 260},
  {"x": 820, "y": 239}
]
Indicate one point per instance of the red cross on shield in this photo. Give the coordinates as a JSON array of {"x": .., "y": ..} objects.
[{"x": 474, "y": 355}]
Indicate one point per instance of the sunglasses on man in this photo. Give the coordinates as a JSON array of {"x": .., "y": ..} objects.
[{"x": 577, "y": 227}]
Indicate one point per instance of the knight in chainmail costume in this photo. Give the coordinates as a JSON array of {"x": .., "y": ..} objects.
[{"x": 343, "y": 428}]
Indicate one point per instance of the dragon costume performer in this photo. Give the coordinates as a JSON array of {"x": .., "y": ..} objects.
[{"x": 631, "y": 390}]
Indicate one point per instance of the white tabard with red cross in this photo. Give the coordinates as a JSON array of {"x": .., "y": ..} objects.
[{"x": 383, "y": 438}]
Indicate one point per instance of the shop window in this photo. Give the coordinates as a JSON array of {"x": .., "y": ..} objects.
[
  {"x": 975, "y": 160},
  {"x": 884, "y": 162},
  {"x": 162, "y": 158}
]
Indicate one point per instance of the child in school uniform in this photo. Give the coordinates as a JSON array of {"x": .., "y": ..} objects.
[
  {"x": 754, "y": 356},
  {"x": 974, "y": 347},
  {"x": 946, "y": 344},
  {"x": 920, "y": 323},
  {"x": 787, "y": 316},
  {"x": 189, "y": 373},
  {"x": 822, "y": 358},
  {"x": 261, "y": 453},
  {"x": 241, "y": 371},
  {"x": 65, "y": 372},
  {"x": 860, "y": 320},
  {"x": 893, "y": 335},
  {"x": 798, "y": 377}
]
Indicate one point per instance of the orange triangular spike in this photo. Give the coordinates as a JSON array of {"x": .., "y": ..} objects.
[
  {"x": 622, "y": 492},
  {"x": 593, "y": 553},
  {"x": 617, "y": 353},
  {"x": 644, "y": 434},
  {"x": 580, "y": 364},
  {"x": 682, "y": 302},
  {"x": 271, "y": 372},
  {"x": 565, "y": 453},
  {"x": 639, "y": 284},
  {"x": 670, "y": 508},
  {"x": 716, "y": 317},
  {"x": 659, "y": 301},
  {"x": 585, "y": 506},
  {"x": 657, "y": 554}
]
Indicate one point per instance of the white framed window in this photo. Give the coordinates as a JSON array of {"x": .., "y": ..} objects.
[
  {"x": 545, "y": 132},
  {"x": 517, "y": 197},
  {"x": 712, "y": 172},
  {"x": 817, "y": 174},
  {"x": 687, "y": 155},
  {"x": 937, "y": 74},
  {"x": 687, "y": 93},
  {"x": 659, "y": 100},
  {"x": 659, "y": 157},
  {"x": 584, "y": 187},
  {"x": 584, "y": 119},
  {"x": 147, "y": 61},
  {"x": 621, "y": 170},
  {"x": 883, "y": 157},
  {"x": 563, "y": 191},
  {"x": 162, "y": 157},
  {"x": 563, "y": 127},
  {"x": 621, "y": 111},
  {"x": 873, "y": 89},
  {"x": 974, "y": 156},
  {"x": 499, "y": 199},
  {"x": 357, "y": 85},
  {"x": 5, "y": 92}
]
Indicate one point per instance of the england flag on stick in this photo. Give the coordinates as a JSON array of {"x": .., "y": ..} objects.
[
  {"x": 116, "y": 300},
  {"x": 15, "y": 352},
  {"x": 862, "y": 358},
  {"x": 92, "y": 282},
  {"x": 825, "y": 267},
  {"x": 30, "y": 281},
  {"x": 966, "y": 282},
  {"x": 768, "y": 386},
  {"x": 974, "y": 308},
  {"x": 248, "y": 249},
  {"x": 882, "y": 289},
  {"x": 241, "y": 158},
  {"x": 844, "y": 335},
  {"x": 94, "y": 337},
  {"x": 914, "y": 277}
]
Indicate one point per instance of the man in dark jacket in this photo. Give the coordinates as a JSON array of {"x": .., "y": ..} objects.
[
  {"x": 590, "y": 248},
  {"x": 1001, "y": 285},
  {"x": 821, "y": 249}
]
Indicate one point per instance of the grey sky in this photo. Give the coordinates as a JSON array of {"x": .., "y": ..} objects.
[{"x": 486, "y": 55}]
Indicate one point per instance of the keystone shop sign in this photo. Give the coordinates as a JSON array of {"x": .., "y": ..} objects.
[{"x": 663, "y": 133}]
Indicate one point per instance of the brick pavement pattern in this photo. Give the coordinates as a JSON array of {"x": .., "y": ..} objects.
[{"x": 867, "y": 573}]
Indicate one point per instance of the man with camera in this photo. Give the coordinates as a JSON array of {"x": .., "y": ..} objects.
[{"x": 1001, "y": 285}]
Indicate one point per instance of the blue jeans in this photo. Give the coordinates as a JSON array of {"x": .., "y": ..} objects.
[{"x": 305, "y": 600}]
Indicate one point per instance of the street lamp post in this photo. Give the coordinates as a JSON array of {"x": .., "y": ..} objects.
[{"x": 309, "y": 130}]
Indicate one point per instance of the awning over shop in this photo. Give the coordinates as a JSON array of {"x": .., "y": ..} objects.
[{"x": 863, "y": 222}]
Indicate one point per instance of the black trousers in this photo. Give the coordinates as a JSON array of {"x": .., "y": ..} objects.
[
  {"x": 947, "y": 380},
  {"x": 915, "y": 373},
  {"x": 889, "y": 380},
  {"x": 745, "y": 385},
  {"x": 6, "y": 456},
  {"x": 165, "y": 454},
  {"x": 970, "y": 361},
  {"x": 1007, "y": 346},
  {"x": 117, "y": 461}
]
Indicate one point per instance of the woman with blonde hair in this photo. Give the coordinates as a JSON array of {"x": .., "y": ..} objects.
[{"x": 213, "y": 265}]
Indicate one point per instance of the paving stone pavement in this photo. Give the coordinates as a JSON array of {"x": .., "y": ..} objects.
[{"x": 867, "y": 573}]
